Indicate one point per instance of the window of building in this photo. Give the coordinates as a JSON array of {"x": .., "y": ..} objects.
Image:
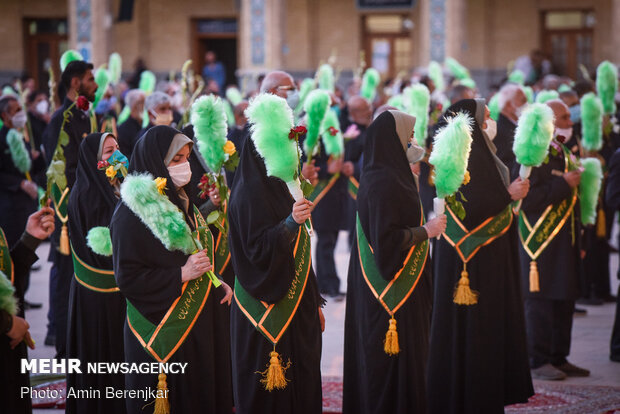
[{"x": 387, "y": 43}]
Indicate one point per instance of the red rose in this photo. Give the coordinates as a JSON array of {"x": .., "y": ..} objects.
[
  {"x": 292, "y": 134},
  {"x": 297, "y": 131},
  {"x": 439, "y": 107},
  {"x": 103, "y": 164},
  {"x": 561, "y": 139},
  {"x": 332, "y": 131},
  {"x": 82, "y": 103}
]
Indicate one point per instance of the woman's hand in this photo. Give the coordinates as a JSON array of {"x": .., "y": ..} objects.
[
  {"x": 436, "y": 226},
  {"x": 302, "y": 210},
  {"x": 228, "y": 293},
  {"x": 197, "y": 265},
  {"x": 41, "y": 223},
  {"x": 214, "y": 196},
  {"x": 19, "y": 332},
  {"x": 518, "y": 189}
]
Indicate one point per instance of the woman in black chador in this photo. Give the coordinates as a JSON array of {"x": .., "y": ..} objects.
[
  {"x": 156, "y": 281},
  {"x": 393, "y": 247},
  {"x": 478, "y": 356},
  {"x": 263, "y": 232},
  {"x": 96, "y": 307}
]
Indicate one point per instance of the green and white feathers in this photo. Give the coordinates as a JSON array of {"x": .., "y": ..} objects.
[
  {"x": 334, "y": 144},
  {"x": 307, "y": 86},
  {"x": 233, "y": 95},
  {"x": 147, "y": 82},
  {"x": 157, "y": 212},
  {"x": 533, "y": 135},
  {"x": 494, "y": 107},
  {"x": 589, "y": 189},
  {"x": 370, "y": 82},
  {"x": 99, "y": 240},
  {"x": 435, "y": 72},
  {"x": 102, "y": 77},
  {"x": 450, "y": 154},
  {"x": 68, "y": 57},
  {"x": 325, "y": 76},
  {"x": 591, "y": 122},
  {"x": 316, "y": 106},
  {"x": 517, "y": 76},
  {"x": 271, "y": 121},
  {"x": 19, "y": 153},
  {"x": 457, "y": 70},
  {"x": 8, "y": 302},
  {"x": 546, "y": 95},
  {"x": 115, "y": 67},
  {"x": 209, "y": 119},
  {"x": 607, "y": 85},
  {"x": 419, "y": 101}
]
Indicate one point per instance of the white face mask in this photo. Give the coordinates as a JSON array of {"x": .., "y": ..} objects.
[
  {"x": 42, "y": 107},
  {"x": 565, "y": 132},
  {"x": 162, "y": 119},
  {"x": 180, "y": 174},
  {"x": 414, "y": 153},
  {"x": 292, "y": 98},
  {"x": 519, "y": 110},
  {"x": 19, "y": 119},
  {"x": 491, "y": 129}
]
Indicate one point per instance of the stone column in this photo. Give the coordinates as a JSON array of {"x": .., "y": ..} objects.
[{"x": 90, "y": 24}]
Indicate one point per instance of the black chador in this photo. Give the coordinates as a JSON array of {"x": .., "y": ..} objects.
[
  {"x": 262, "y": 246},
  {"x": 478, "y": 357},
  {"x": 149, "y": 276},
  {"x": 390, "y": 214},
  {"x": 96, "y": 307}
]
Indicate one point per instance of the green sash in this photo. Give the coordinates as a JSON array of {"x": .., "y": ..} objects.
[
  {"x": 353, "y": 187},
  {"x": 6, "y": 264},
  {"x": 162, "y": 341},
  {"x": 394, "y": 293},
  {"x": 323, "y": 188},
  {"x": 222, "y": 252},
  {"x": 467, "y": 243},
  {"x": 90, "y": 277},
  {"x": 272, "y": 320}
]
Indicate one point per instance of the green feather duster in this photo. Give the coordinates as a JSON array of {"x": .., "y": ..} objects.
[
  {"x": 68, "y": 57},
  {"x": 591, "y": 122},
  {"x": 272, "y": 121},
  {"x": 334, "y": 144},
  {"x": 589, "y": 189},
  {"x": 325, "y": 75},
  {"x": 564, "y": 88},
  {"x": 316, "y": 106},
  {"x": 19, "y": 153},
  {"x": 529, "y": 93},
  {"x": 397, "y": 102},
  {"x": 494, "y": 107},
  {"x": 147, "y": 82},
  {"x": 102, "y": 77},
  {"x": 469, "y": 82},
  {"x": 99, "y": 240},
  {"x": 456, "y": 69},
  {"x": 8, "y": 303},
  {"x": 544, "y": 96},
  {"x": 157, "y": 212},
  {"x": 517, "y": 76},
  {"x": 420, "y": 99},
  {"x": 450, "y": 154},
  {"x": 533, "y": 135},
  {"x": 607, "y": 85},
  {"x": 307, "y": 86},
  {"x": 370, "y": 82},
  {"x": 233, "y": 95},
  {"x": 435, "y": 72},
  {"x": 115, "y": 67},
  {"x": 124, "y": 115},
  {"x": 210, "y": 128},
  {"x": 230, "y": 114}
]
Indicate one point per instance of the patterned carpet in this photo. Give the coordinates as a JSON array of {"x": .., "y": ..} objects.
[{"x": 549, "y": 398}]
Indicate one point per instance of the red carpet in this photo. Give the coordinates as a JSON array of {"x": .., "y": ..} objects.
[{"x": 549, "y": 398}]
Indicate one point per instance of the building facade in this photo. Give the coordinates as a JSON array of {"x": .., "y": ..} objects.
[{"x": 253, "y": 36}]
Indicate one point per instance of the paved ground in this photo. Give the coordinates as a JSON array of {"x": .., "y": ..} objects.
[{"x": 590, "y": 348}]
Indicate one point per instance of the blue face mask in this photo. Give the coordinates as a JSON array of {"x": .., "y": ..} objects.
[
  {"x": 575, "y": 113},
  {"x": 118, "y": 156}
]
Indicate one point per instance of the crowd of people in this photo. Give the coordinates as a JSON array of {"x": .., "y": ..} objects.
[{"x": 180, "y": 215}]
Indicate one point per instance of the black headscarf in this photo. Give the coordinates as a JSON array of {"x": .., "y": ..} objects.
[
  {"x": 262, "y": 255},
  {"x": 91, "y": 202},
  {"x": 486, "y": 193},
  {"x": 388, "y": 201},
  {"x": 148, "y": 156}
]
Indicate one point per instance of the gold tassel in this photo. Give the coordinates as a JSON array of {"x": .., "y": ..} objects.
[
  {"x": 601, "y": 224},
  {"x": 274, "y": 376},
  {"x": 64, "y": 240},
  {"x": 390, "y": 345},
  {"x": 162, "y": 405},
  {"x": 463, "y": 295},
  {"x": 534, "y": 280}
]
